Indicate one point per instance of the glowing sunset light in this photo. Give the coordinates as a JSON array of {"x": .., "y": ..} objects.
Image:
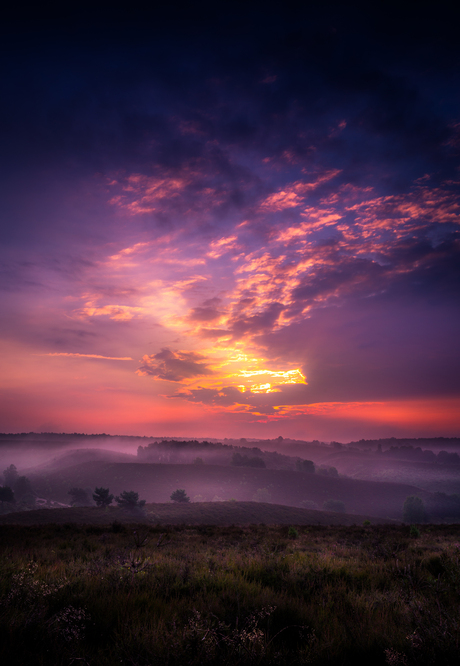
[{"x": 217, "y": 230}]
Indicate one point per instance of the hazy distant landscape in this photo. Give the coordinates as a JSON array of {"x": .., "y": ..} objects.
[{"x": 369, "y": 478}]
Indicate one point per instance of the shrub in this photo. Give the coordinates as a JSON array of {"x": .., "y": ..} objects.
[
  {"x": 292, "y": 533},
  {"x": 414, "y": 532},
  {"x": 180, "y": 496}
]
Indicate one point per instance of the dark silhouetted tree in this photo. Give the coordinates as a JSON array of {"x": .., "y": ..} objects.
[
  {"x": 128, "y": 499},
  {"x": 243, "y": 461},
  {"x": 180, "y": 496},
  {"x": 22, "y": 487},
  {"x": 6, "y": 494},
  {"x": 10, "y": 475},
  {"x": 414, "y": 510},
  {"x": 305, "y": 466},
  {"x": 101, "y": 497},
  {"x": 79, "y": 497}
]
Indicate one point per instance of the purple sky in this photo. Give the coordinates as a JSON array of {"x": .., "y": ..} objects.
[{"x": 231, "y": 222}]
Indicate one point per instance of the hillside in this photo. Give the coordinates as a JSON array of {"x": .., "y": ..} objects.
[
  {"x": 156, "y": 482},
  {"x": 202, "y": 513}
]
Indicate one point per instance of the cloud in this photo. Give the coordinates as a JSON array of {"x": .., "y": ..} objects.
[
  {"x": 174, "y": 366},
  {"x": 74, "y": 354},
  {"x": 207, "y": 312}
]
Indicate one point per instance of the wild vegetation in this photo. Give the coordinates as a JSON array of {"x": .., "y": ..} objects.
[{"x": 142, "y": 594}]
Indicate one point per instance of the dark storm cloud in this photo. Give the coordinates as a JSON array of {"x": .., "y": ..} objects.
[{"x": 174, "y": 366}]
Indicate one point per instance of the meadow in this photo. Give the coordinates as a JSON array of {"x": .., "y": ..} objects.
[{"x": 142, "y": 594}]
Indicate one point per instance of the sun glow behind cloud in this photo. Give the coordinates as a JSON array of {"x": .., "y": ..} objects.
[
  {"x": 271, "y": 237},
  {"x": 344, "y": 247}
]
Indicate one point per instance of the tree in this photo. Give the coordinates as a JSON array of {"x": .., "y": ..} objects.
[
  {"x": 334, "y": 505},
  {"x": 305, "y": 466},
  {"x": 79, "y": 497},
  {"x": 101, "y": 497},
  {"x": 22, "y": 486},
  {"x": 128, "y": 499},
  {"x": 414, "y": 510},
  {"x": 180, "y": 496},
  {"x": 262, "y": 495},
  {"x": 6, "y": 494},
  {"x": 10, "y": 475}
]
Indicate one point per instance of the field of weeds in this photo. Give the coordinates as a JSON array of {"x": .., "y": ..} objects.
[{"x": 143, "y": 595}]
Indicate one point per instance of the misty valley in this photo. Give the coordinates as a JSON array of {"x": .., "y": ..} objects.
[{"x": 143, "y": 551}]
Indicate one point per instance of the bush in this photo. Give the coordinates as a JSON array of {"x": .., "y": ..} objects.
[
  {"x": 414, "y": 532},
  {"x": 292, "y": 533},
  {"x": 180, "y": 496}
]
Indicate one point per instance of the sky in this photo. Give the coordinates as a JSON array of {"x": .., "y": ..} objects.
[{"x": 231, "y": 221}]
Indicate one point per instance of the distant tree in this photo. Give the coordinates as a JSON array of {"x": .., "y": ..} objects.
[
  {"x": 334, "y": 505},
  {"x": 262, "y": 495},
  {"x": 79, "y": 497},
  {"x": 309, "y": 504},
  {"x": 101, "y": 497},
  {"x": 243, "y": 461},
  {"x": 256, "y": 462},
  {"x": 128, "y": 499},
  {"x": 414, "y": 510},
  {"x": 180, "y": 496},
  {"x": 305, "y": 466},
  {"x": 6, "y": 494},
  {"x": 237, "y": 459},
  {"x": 22, "y": 487},
  {"x": 327, "y": 471},
  {"x": 10, "y": 475}
]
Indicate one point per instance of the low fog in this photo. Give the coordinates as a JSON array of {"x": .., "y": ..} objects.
[{"x": 372, "y": 477}]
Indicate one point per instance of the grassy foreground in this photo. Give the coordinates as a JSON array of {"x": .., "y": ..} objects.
[{"x": 144, "y": 595}]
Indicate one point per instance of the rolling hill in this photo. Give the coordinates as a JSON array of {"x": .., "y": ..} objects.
[
  {"x": 201, "y": 513},
  {"x": 155, "y": 483}
]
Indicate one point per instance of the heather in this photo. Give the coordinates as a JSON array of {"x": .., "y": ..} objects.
[{"x": 142, "y": 594}]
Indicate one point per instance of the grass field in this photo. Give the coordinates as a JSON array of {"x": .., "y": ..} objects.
[
  {"x": 199, "y": 513},
  {"x": 177, "y": 595}
]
